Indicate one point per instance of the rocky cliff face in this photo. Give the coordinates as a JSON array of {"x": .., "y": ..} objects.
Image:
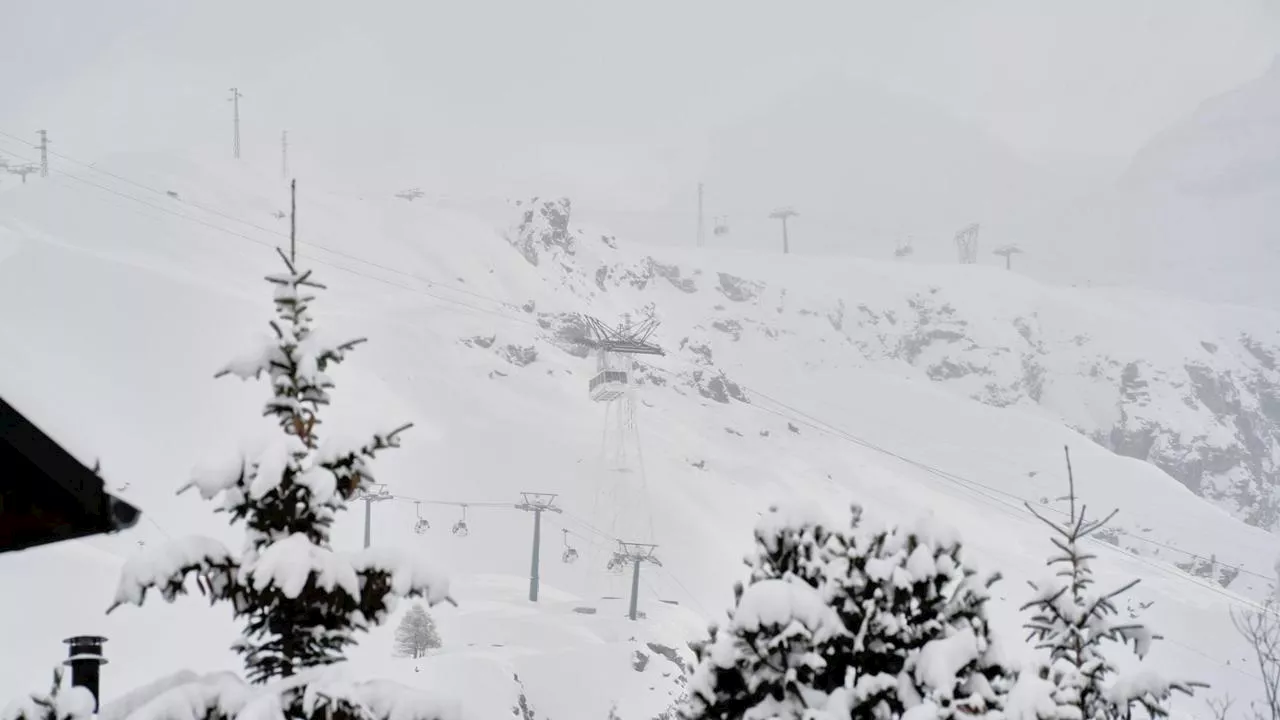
[{"x": 1193, "y": 390}]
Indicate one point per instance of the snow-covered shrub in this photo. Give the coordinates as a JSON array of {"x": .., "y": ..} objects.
[
  {"x": 848, "y": 623},
  {"x": 301, "y": 601},
  {"x": 60, "y": 703},
  {"x": 1075, "y": 623}
]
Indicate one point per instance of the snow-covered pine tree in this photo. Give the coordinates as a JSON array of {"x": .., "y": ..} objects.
[
  {"x": 912, "y": 635},
  {"x": 768, "y": 659},
  {"x": 1075, "y": 622},
  {"x": 416, "y": 633},
  {"x": 765, "y": 661},
  {"x": 797, "y": 541},
  {"x": 917, "y": 613},
  {"x": 302, "y": 602}
]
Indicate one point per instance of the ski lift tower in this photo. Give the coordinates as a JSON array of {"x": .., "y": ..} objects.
[
  {"x": 634, "y": 554},
  {"x": 967, "y": 244}
]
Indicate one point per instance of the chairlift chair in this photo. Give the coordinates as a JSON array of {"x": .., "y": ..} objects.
[
  {"x": 722, "y": 226},
  {"x": 460, "y": 527},
  {"x": 569, "y": 555},
  {"x": 617, "y": 563},
  {"x": 421, "y": 526}
]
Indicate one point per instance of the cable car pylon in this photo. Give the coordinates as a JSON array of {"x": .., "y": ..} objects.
[
  {"x": 620, "y": 496},
  {"x": 613, "y": 386}
]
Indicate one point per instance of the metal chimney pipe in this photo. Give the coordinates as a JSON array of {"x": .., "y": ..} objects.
[{"x": 84, "y": 655}]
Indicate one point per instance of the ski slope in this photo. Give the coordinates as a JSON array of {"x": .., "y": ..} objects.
[{"x": 119, "y": 302}]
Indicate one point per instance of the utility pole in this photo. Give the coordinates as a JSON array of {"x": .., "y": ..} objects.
[
  {"x": 44, "y": 153},
  {"x": 284, "y": 154},
  {"x": 293, "y": 250},
  {"x": 700, "y": 230},
  {"x": 635, "y": 553},
  {"x": 378, "y": 494},
  {"x": 235, "y": 102},
  {"x": 536, "y": 503},
  {"x": 782, "y": 214}
]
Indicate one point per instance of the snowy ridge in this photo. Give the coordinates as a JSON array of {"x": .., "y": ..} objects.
[
  {"x": 782, "y": 347},
  {"x": 1192, "y": 389}
]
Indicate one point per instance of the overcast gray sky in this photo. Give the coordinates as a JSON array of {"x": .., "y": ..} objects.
[
  {"x": 599, "y": 97},
  {"x": 1053, "y": 79}
]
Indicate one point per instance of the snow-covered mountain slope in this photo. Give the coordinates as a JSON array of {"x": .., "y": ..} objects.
[
  {"x": 1193, "y": 389},
  {"x": 116, "y": 312},
  {"x": 1196, "y": 213}
]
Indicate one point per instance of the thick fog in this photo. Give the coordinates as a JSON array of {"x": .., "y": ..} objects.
[{"x": 881, "y": 124}]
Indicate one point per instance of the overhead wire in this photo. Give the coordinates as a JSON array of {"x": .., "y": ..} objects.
[
  {"x": 974, "y": 486},
  {"x": 988, "y": 488},
  {"x": 452, "y": 301},
  {"x": 272, "y": 231},
  {"x": 980, "y": 489},
  {"x": 455, "y": 503},
  {"x": 1174, "y": 573}
]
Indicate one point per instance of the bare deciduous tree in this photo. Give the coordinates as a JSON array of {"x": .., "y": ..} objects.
[
  {"x": 1261, "y": 629},
  {"x": 1220, "y": 706}
]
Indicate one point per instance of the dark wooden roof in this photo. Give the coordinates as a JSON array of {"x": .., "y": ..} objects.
[{"x": 46, "y": 495}]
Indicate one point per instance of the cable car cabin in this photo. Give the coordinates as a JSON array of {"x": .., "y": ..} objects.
[{"x": 608, "y": 385}]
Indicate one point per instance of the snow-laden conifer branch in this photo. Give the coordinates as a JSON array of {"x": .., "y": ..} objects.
[
  {"x": 1075, "y": 624},
  {"x": 166, "y": 567},
  {"x": 347, "y": 463}
]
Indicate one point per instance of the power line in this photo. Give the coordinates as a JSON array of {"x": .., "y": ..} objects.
[
  {"x": 974, "y": 486},
  {"x": 456, "y": 503},
  {"x": 1176, "y": 574},
  {"x": 821, "y": 426},
  {"x": 960, "y": 479},
  {"x": 272, "y": 231},
  {"x": 313, "y": 258}
]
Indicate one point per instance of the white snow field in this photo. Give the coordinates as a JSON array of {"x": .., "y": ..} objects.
[{"x": 118, "y": 302}]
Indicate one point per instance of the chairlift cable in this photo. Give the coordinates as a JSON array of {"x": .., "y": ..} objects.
[{"x": 818, "y": 425}]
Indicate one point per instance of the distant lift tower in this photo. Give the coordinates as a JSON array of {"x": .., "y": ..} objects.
[
  {"x": 967, "y": 244},
  {"x": 634, "y": 554}
]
